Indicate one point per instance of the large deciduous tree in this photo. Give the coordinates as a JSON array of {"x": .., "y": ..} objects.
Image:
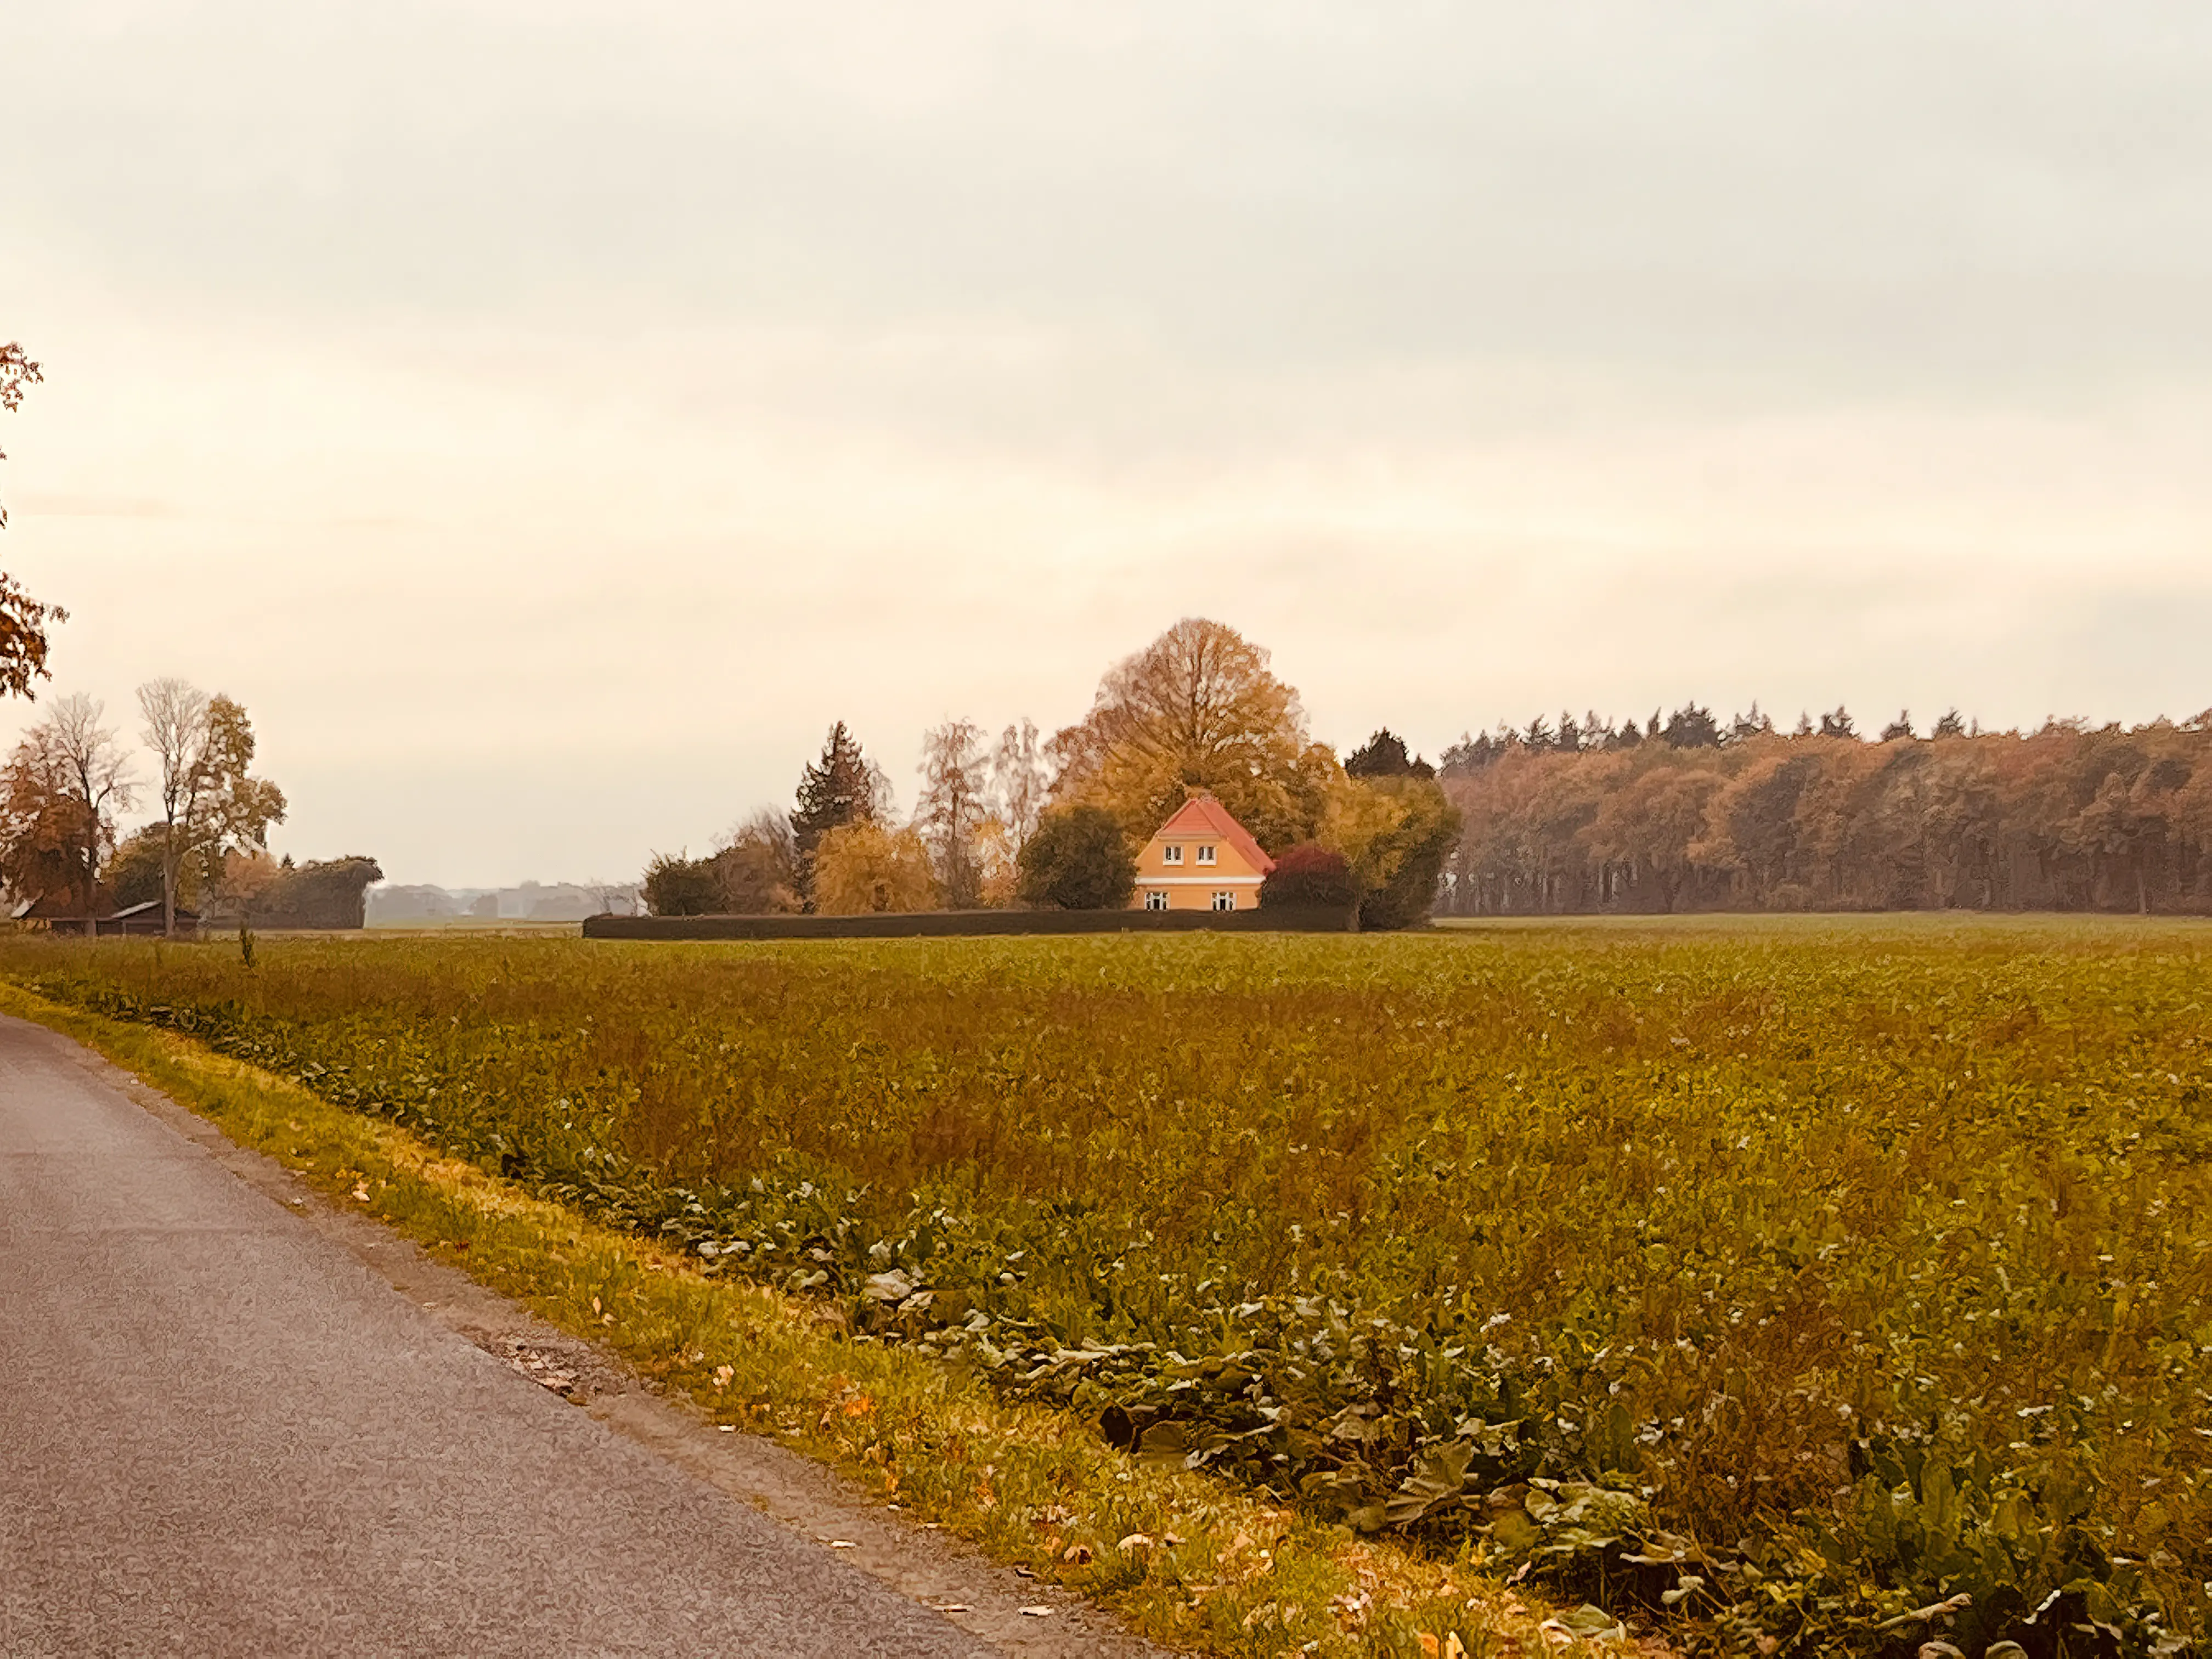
[
  {"x": 42, "y": 824},
  {"x": 63, "y": 786},
  {"x": 204, "y": 748},
  {"x": 1197, "y": 707},
  {"x": 23, "y": 620}
]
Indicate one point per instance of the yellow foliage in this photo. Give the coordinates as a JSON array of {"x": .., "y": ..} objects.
[
  {"x": 1360, "y": 821},
  {"x": 862, "y": 868},
  {"x": 995, "y": 855},
  {"x": 1199, "y": 707}
]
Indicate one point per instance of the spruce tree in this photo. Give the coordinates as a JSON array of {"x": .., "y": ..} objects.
[{"x": 835, "y": 790}]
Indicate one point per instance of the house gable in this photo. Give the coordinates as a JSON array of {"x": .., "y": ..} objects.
[{"x": 1202, "y": 858}]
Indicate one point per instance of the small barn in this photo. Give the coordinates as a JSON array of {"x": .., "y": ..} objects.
[
  {"x": 62, "y": 913},
  {"x": 146, "y": 918}
]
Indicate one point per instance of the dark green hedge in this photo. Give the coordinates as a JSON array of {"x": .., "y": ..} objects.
[{"x": 943, "y": 924}]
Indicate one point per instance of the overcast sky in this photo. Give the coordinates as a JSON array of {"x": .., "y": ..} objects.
[{"x": 546, "y": 418}]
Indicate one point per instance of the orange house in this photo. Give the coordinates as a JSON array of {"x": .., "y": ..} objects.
[{"x": 1202, "y": 858}]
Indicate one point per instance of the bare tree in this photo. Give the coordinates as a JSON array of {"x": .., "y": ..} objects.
[
  {"x": 1019, "y": 780},
  {"x": 610, "y": 898},
  {"x": 95, "y": 775},
  {"x": 176, "y": 730},
  {"x": 757, "y": 867},
  {"x": 204, "y": 747},
  {"x": 953, "y": 808}
]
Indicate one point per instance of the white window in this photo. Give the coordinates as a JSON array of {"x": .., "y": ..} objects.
[
  {"x": 1156, "y": 900},
  {"x": 1224, "y": 900},
  {"x": 1205, "y": 856},
  {"x": 1170, "y": 855}
]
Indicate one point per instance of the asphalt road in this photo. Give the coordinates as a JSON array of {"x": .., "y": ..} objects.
[{"x": 220, "y": 1433}]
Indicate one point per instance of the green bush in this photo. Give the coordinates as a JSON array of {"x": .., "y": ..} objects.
[
  {"x": 1078, "y": 859},
  {"x": 677, "y": 886}
]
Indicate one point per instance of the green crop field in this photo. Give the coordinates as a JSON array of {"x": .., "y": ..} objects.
[{"x": 1775, "y": 1280}]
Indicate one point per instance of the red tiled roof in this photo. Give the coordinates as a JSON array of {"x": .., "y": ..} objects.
[{"x": 1204, "y": 815}]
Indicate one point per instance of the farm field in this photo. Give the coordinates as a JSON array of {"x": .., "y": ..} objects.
[{"x": 1776, "y": 1279}]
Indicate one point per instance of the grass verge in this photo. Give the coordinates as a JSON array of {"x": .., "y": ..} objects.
[{"x": 1182, "y": 1558}]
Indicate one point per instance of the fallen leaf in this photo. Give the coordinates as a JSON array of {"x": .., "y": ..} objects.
[{"x": 1036, "y": 1612}]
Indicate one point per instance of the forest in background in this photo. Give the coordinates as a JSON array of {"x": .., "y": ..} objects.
[{"x": 1695, "y": 814}]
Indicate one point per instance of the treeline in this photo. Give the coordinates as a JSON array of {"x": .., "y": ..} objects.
[
  {"x": 1691, "y": 813},
  {"x": 1058, "y": 823},
  {"x": 65, "y": 857}
]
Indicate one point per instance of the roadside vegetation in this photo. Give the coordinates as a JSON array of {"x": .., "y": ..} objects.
[
  {"x": 1827, "y": 1287},
  {"x": 1182, "y": 1557}
]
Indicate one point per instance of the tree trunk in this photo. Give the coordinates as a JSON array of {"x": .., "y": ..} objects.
[{"x": 168, "y": 881}]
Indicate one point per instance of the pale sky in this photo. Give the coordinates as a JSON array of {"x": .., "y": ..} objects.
[{"x": 547, "y": 418}]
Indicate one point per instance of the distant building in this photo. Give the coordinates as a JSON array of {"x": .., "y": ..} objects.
[
  {"x": 59, "y": 913},
  {"x": 1202, "y": 858},
  {"x": 146, "y": 918},
  {"x": 62, "y": 913}
]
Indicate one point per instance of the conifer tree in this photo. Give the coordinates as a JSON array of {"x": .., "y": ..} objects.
[{"x": 838, "y": 789}]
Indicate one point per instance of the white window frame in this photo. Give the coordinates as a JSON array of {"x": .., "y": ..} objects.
[
  {"x": 1225, "y": 899},
  {"x": 1170, "y": 854},
  {"x": 1156, "y": 899},
  {"x": 1205, "y": 856}
]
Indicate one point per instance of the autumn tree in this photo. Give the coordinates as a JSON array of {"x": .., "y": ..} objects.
[
  {"x": 755, "y": 869},
  {"x": 42, "y": 824},
  {"x": 1650, "y": 825},
  {"x": 202, "y": 749},
  {"x": 1020, "y": 780},
  {"x": 1197, "y": 707},
  {"x": 841, "y": 787},
  {"x": 865, "y": 868},
  {"x": 953, "y": 809},
  {"x": 66, "y": 782},
  {"x": 23, "y": 620},
  {"x": 1393, "y": 832}
]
